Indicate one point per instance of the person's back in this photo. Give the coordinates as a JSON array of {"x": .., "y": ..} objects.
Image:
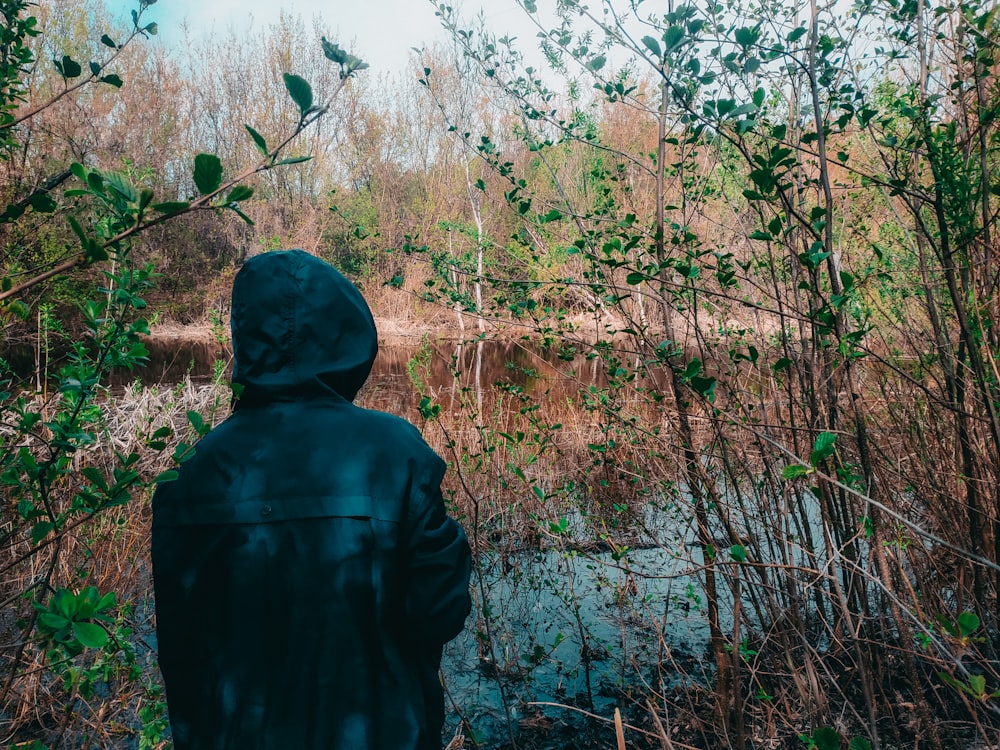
[{"x": 306, "y": 574}]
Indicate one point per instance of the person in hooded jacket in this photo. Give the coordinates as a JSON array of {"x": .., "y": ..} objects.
[{"x": 306, "y": 574}]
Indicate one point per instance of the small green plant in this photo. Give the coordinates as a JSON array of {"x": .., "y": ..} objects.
[
  {"x": 962, "y": 628},
  {"x": 70, "y": 622},
  {"x": 153, "y": 715},
  {"x": 828, "y": 738}
]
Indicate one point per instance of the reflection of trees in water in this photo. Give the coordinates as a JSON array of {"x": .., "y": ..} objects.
[{"x": 477, "y": 368}]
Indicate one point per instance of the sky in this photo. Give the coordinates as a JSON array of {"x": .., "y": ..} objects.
[{"x": 381, "y": 32}]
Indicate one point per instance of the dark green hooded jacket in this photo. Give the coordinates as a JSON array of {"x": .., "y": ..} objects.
[{"x": 306, "y": 574}]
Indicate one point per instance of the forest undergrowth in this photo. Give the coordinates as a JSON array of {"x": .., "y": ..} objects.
[{"x": 719, "y": 390}]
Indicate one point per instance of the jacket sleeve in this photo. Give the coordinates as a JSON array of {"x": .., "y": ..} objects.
[{"x": 439, "y": 564}]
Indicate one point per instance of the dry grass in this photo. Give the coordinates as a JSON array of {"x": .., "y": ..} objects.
[
  {"x": 524, "y": 459},
  {"x": 108, "y": 550}
]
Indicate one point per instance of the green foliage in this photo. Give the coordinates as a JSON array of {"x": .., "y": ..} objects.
[
  {"x": 66, "y": 482},
  {"x": 962, "y": 628},
  {"x": 301, "y": 93},
  {"x": 828, "y": 738},
  {"x": 16, "y": 58},
  {"x": 348, "y": 63},
  {"x": 734, "y": 168},
  {"x": 974, "y": 686},
  {"x": 823, "y": 448},
  {"x": 74, "y": 622},
  {"x": 208, "y": 172}
]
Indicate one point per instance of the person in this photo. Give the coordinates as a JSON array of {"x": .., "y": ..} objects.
[{"x": 306, "y": 574}]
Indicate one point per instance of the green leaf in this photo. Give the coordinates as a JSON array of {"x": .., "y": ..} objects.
[
  {"x": 90, "y": 635},
  {"x": 207, "y": 173},
  {"x": 759, "y": 235},
  {"x": 705, "y": 386},
  {"x": 145, "y": 198},
  {"x": 672, "y": 37},
  {"x": 300, "y": 91},
  {"x": 106, "y": 602},
  {"x": 653, "y": 46},
  {"x": 40, "y": 530},
  {"x": 822, "y": 447},
  {"x": 781, "y": 364},
  {"x": 197, "y": 422},
  {"x": 17, "y": 308},
  {"x": 553, "y": 215},
  {"x": 738, "y": 552},
  {"x": 333, "y": 52},
  {"x": 348, "y": 63},
  {"x": 95, "y": 181},
  {"x": 744, "y": 109},
  {"x": 635, "y": 278},
  {"x": 239, "y": 193},
  {"x": 292, "y": 160},
  {"x": 152, "y": 29},
  {"x": 96, "y": 477},
  {"x": 108, "y": 41},
  {"x": 166, "y": 476},
  {"x": 826, "y": 738},
  {"x": 121, "y": 185},
  {"x": 746, "y": 36},
  {"x": 794, "y": 471},
  {"x": 977, "y": 685},
  {"x": 64, "y": 602},
  {"x": 428, "y": 409},
  {"x": 859, "y": 743},
  {"x": 111, "y": 80},
  {"x": 182, "y": 452},
  {"x": 95, "y": 252},
  {"x": 258, "y": 139},
  {"x": 53, "y": 621},
  {"x": 68, "y": 67},
  {"x": 968, "y": 623},
  {"x": 795, "y": 34},
  {"x": 596, "y": 63},
  {"x": 949, "y": 680},
  {"x": 171, "y": 207},
  {"x": 42, "y": 203},
  {"x": 238, "y": 212}
]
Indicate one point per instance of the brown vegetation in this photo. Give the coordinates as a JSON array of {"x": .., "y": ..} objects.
[{"x": 739, "y": 306}]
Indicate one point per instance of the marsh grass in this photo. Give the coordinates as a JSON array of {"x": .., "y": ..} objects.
[
  {"x": 108, "y": 697},
  {"x": 585, "y": 472}
]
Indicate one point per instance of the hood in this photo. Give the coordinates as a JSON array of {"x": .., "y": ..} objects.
[{"x": 299, "y": 329}]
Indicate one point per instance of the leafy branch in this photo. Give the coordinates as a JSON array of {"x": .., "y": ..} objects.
[
  {"x": 132, "y": 205},
  {"x": 69, "y": 68}
]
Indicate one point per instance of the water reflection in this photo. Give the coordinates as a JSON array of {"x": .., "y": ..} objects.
[
  {"x": 441, "y": 369},
  {"x": 574, "y": 630},
  {"x": 448, "y": 372}
]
